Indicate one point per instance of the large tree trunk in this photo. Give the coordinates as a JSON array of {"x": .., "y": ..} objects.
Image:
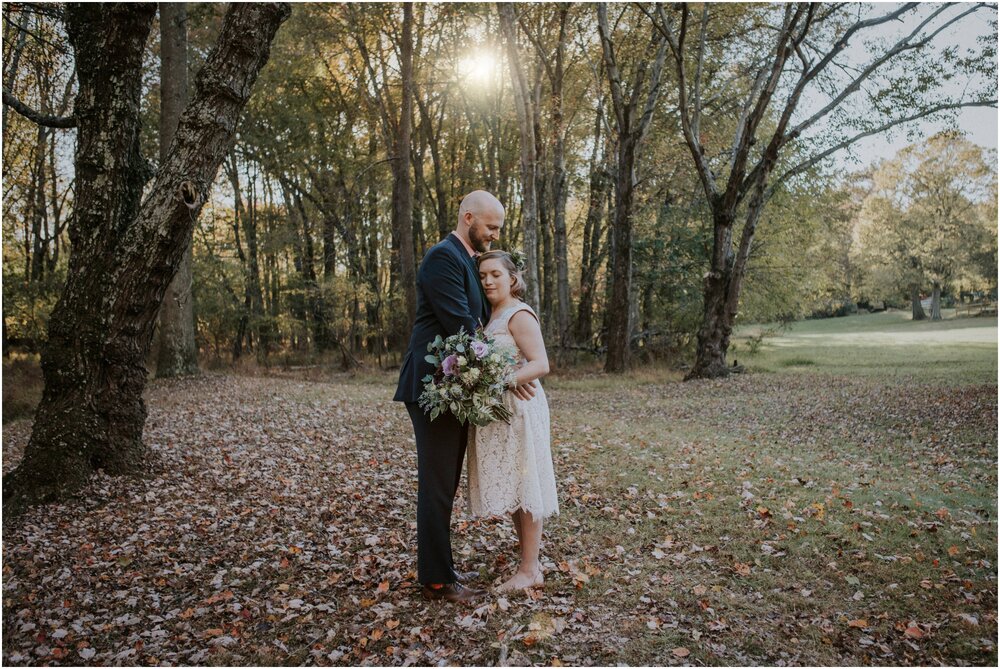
[
  {"x": 434, "y": 141},
  {"x": 544, "y": 208},
  {"x": 92, "y": 413},
  {"x": 419, "y": 194},
  {"x": 560, "y": 193},
  {"x": 593, "y": 252},
  {"x": 329, "y": 231},
  {"x": 936, "y": 302},
  {"x": 560, "y": 188},
  {"x": 619, "y": 323},
  {"x": 723, "y": 283},
  {"x": 916, "y": 308},
  {"x": 716, "y": 323},
  {"x": 177, "y": 353},
  {"x": 402, "y": 188}
]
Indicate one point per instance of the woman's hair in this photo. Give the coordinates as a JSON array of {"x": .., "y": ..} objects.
[{"x": 516, "y": 280}]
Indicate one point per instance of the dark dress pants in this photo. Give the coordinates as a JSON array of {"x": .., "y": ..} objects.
[{"x": 441, "y": 447}]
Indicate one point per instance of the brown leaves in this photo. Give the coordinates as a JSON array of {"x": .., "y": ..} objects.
[
  {"x": 579, "y": 573},
  {"x": 301, "y": 549},
  {"x": 220, "y": 597}
]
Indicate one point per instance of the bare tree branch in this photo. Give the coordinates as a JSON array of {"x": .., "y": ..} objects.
[
  {"x": 903, "y": 44},
  {"x": 676, "y": 43},
  {"x": 806, "y": 164},
  {"x": 696, "y": 115},
  {"x": 32, "y": 115},
  {"x": 614, "y": 76}
]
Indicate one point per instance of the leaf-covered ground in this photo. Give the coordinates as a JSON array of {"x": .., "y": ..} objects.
[{"x": 765, "y": 519}]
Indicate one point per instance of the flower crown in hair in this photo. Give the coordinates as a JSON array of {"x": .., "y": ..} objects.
[{"x": 517, "y": 257}]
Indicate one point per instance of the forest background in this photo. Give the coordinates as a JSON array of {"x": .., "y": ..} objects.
[
  {"x": 195, "y": 186},
  {"x": 302, "y": 249}
]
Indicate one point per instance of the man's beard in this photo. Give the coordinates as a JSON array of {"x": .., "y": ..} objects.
[{"x": 480, "y": 244}]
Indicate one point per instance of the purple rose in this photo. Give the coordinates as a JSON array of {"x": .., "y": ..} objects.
[
  {"x": 449, "y": 364},
  {"x": 479, "y": 348}
]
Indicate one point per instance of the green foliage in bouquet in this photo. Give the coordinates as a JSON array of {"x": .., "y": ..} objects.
[{"x": 471, "y": 375}]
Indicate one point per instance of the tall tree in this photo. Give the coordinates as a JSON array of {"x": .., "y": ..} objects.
[
  {"x": 594, "y": 249},
  {"x": 177, "y": 353},
  {"x": 402, "y": 186},
  {"x": 921, "y": 224},
  {"x": 901, "y": 81},
  {"x": 125, "y": 251},
  {"x": 553, "y": 62},
  {"x": 523, "y": 103},
  {"x": 631, "y": 123},
  {"x": 396, "y": 131}
]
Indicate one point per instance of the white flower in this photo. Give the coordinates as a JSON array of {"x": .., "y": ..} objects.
[{"x": 461, "y": 360}]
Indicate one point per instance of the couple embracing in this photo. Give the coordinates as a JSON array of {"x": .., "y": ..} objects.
[{"x": 462, "y": 283}]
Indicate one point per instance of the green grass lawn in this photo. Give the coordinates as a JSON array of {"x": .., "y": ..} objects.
[
  {"x": 835, "y": 505},
  {"x": 885, "y": 345}
]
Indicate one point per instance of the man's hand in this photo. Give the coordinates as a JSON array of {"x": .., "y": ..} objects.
[{"x": 525, "y": 391}]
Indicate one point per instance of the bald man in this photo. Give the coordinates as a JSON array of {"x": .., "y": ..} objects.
[{"x": 449, "y": 297}]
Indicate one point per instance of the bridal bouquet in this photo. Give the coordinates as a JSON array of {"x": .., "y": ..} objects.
[{"x": 471, "y": 376}]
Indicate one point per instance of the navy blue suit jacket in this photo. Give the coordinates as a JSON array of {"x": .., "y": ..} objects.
[{"x": 449, "y": 296}]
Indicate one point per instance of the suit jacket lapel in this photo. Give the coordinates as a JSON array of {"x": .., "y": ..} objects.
[{"x": 484, "y": 304}]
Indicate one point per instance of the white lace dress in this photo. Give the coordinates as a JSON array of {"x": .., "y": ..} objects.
[{"x": 510, "y": 466}]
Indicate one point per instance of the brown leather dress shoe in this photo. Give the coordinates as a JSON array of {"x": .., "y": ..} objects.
[{"x": 453, "y": 592}]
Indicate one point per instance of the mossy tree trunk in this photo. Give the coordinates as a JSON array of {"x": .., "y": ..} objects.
[{"x": 125, "y": 254}]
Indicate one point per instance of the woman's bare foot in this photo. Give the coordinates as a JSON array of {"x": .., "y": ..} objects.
[{"x": 522, "y": 580}]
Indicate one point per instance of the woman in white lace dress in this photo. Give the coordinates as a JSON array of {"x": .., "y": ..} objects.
[{"x": 510, "y": 466}]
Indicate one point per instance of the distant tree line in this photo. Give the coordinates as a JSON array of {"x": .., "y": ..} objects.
[{"x": 658, "y": 163}]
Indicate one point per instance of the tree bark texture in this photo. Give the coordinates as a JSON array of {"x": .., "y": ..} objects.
[
  {"x": 177, "y": 353},
  {"x": 125, "y": 254},
  {"x": 593, "y": 247},
  {"x": 402, "y": 187}
]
